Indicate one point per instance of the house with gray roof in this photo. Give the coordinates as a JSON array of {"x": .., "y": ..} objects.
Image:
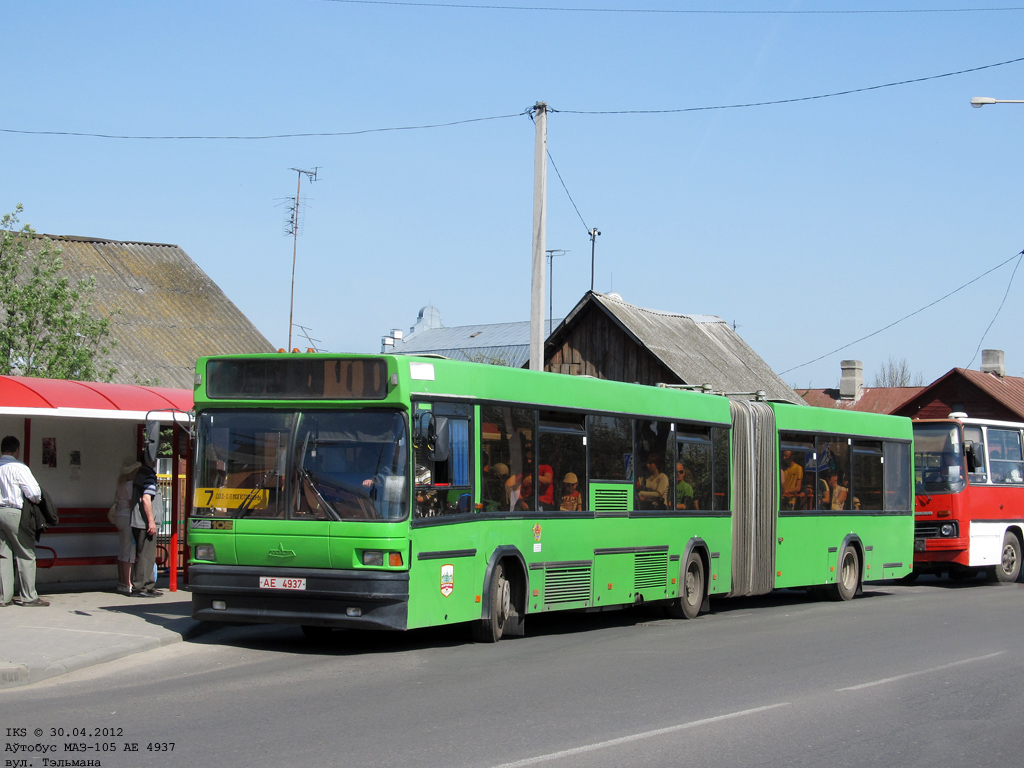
[
  {"x": 608, "y": 338},
  {"x": 171, "y": 312}
]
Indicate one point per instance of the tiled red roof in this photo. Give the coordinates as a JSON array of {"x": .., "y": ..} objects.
[{"x": 871, "y": 400}]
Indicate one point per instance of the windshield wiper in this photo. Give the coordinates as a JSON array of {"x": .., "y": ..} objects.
[{"x": 255, "y": 492}]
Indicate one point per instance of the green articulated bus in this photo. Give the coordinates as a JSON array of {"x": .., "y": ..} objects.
[{"x": 400, "y": 492}]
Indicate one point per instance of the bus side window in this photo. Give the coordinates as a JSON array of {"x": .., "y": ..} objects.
[
  {"x": 1004, "y": 455},
  {"x": 867, "y": 480},
  {"x": 444, "y": 487},
  {"x": 897, "y": 477},
  {"x": 974, "y": 438},
  {"x": 692, "y": 474}
]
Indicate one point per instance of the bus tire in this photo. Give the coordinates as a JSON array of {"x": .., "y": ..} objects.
[
  {"x": 490, "y": 629},
  {"x": 1008, "y": 569},
  {"x": 691, "y": 590},
  {"x": 847, "y": 576}
]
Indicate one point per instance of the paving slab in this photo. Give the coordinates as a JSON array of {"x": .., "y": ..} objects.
[{"x": 92, "y": 626}]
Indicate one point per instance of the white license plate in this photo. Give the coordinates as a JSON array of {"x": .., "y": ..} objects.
[{"x": 279, "y": 582}]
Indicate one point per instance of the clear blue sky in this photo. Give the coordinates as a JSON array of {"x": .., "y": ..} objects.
[{"x": 810, "y": 224}]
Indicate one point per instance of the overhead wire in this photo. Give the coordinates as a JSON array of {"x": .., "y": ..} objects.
[
  {"x": 559, "y": 175},
  {"x": 690, "y": 11},
  {"x": 527, "y": 111},
  {"x": 787, "y": 101},
  {"x": 266, "y": 136},
  {"x": 1000, "y": 309},
  {"x": 915, "y": 312}
]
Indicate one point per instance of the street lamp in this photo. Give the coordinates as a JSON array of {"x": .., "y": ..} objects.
[{"x": 981, "y": 101}]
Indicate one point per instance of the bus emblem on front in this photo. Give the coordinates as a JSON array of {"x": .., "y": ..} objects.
[{"x": 447, "y": 579}]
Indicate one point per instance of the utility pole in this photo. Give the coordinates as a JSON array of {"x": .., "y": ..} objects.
[
  {"x": 540, "y": 215},
  {"x": 295, "y": 246},
  {"x": 593, "y": 244}
]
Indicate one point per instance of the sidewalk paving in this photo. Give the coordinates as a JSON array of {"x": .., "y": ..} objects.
[{"x": 86, "y": 625}]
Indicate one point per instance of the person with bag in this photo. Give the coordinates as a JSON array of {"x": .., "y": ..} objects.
[
  {"x": 16, "y": 485},
  {"x": 121, "y": 517},
  {"x": 146, "y": 509}
]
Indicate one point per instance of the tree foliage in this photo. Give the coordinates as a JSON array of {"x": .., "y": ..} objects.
[
  {"x": 46, "y": 328},
  {"x": 897, "y": 373}
]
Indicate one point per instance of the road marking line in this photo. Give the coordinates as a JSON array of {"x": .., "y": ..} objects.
[
  {"x": 638, "y": 737},
  {"x": 922, "y": 672}
]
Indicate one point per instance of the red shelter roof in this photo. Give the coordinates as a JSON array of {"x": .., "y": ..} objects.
[{"x": 20, "y": 395}]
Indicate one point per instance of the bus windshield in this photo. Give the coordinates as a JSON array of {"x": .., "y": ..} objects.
[
  {"x": 302, "y": 465},
  {"x": 938, "y": 458}
]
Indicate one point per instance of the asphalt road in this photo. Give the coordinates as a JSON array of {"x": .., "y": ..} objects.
[{"x": 921, "y": 675}]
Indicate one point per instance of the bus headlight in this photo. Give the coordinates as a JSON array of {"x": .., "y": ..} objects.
[
  {"x": 205, "y": 552},
  {"x": 947, "y": 529},
  {"x": 373, "y": 557}
]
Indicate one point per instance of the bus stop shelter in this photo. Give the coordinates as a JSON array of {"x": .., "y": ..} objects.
[{"x": 75, "y": 436}]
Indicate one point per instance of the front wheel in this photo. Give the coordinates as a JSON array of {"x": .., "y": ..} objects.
[
  {"x": 1008, "y": 569},
  {"x": 847, "y": 577},
  {"x": 691, "y": 591},
  {"x": 490, "y": 629}
]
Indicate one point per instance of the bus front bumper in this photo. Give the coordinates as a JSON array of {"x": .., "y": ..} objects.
[{"x": 331, "y": 598}]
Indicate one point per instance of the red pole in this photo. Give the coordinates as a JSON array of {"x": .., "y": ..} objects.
[
  {"x": 188, "y": 497},
  {"x": 172, "y": 548}
]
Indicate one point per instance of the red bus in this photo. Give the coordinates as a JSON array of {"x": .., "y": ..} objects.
[{"x": 969, "y": 512}]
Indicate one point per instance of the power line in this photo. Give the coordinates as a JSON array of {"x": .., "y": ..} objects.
[
  {"x": 267, "y": 136},
  {"x": 787, "y": 101},
  {"x": 559, "y": 175},
  {"x": 915, "y": 312},
  {"x": 1000, "y": 309},
  {"x": 690, "y": 11},
  {"x": 505, "y": 117}
]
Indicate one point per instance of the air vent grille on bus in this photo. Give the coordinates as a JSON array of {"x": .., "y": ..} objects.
[
  {"x": 650, "y": 570},
  {"x": 612, "y": 499},
  {"x": 566, "y": 585}
]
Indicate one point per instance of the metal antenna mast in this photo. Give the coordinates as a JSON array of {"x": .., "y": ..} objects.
[
  {"x": 593, "y": 244},
  {"x": 311, "y": 175},
  {"x": 305, "y": 334},
  {"x": 552, "y": 252}
]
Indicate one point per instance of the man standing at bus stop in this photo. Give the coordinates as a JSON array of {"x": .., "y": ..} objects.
[
  {"x": 144, "y": 528},
  {"x": 16, "y": 485}
]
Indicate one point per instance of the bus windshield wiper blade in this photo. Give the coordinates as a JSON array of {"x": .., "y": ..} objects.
[{"x": 255, "y": 492}]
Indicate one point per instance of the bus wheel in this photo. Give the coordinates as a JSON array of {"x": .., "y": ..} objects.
[
  {"x": 846, "y": 578},
  {"x": 691, "y": 596},
  {"x": 1009, "y": 565},
  {"x": 490, "y": 630},
  {"x": 316, "y": 633}
]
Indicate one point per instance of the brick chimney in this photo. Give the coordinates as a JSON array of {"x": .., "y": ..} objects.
[
  {"x": 852, "y": 380},
  {"x": 993, "y": 361}
]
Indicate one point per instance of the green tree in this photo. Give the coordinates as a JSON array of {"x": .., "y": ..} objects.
[{"x": 46, "y": 328}]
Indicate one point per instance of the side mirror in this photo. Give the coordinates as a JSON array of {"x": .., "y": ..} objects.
[
  {"x": 973, "y": 458},
  {"x": 439, "y": 439}
]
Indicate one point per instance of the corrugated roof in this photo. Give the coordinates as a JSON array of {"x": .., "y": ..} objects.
[
  {"x": 871, "y": 400},
  {"x": 494, "y": 343},
  {"x": 699, "y": 349},
  {"x": 172, "y": 313}
]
